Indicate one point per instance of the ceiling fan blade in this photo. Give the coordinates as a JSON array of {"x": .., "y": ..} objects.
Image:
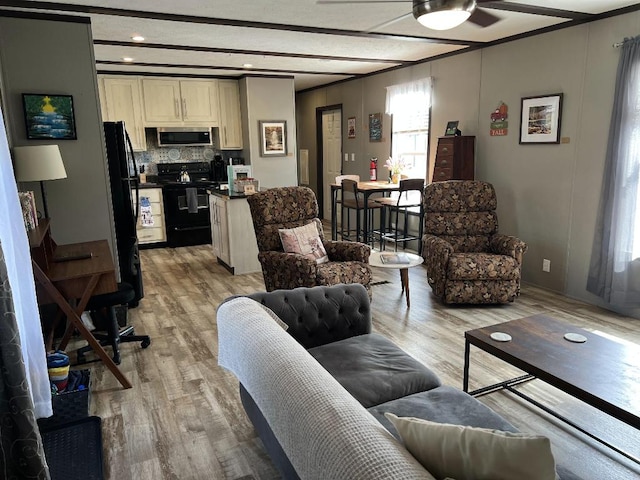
[
  {"x": 388, "y": 22},
  {"x": 483, "y": 18}
]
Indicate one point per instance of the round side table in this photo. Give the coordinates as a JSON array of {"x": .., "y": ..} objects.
[{"x": 414, "y": 260}]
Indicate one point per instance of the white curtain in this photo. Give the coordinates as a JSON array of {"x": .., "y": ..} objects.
[
  {"x": 15, "y": 244},
  {"x": 411, "y": 96},
  {"x": 614, "y": 273}
]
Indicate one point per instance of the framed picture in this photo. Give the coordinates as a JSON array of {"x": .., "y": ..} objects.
[
  {"x": 375, "y": 127},
  {"x": 452, "y": 127},
  {"x": 540, "y": 119},
  {"x": 49, "y": 117},
  {"x": 351, "y": 127},
  {"x": 273, "y": 138}
]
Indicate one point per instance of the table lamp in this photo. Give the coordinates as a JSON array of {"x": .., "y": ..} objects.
[{"x": 38, "y": 163}]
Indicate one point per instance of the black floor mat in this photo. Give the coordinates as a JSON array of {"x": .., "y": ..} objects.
[{"x": 74, "y": 450}]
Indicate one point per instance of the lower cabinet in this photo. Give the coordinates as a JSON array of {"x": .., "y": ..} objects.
[
  {"x": 232, "y": 236},
  {"x": 150, "y": 227}
]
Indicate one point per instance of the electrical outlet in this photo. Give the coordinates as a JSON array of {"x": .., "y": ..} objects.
[{"x": 546, "y": 265}]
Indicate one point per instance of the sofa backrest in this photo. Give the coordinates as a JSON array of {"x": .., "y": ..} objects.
[
  {"x": 462, "y": 212},
  {"x": 320, "y": 315},
  {"x": 282, "y": 207}
]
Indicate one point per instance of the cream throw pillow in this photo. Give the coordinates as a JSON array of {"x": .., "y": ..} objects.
[
  {"x": 304, "y": 240},
  {"x": 468, "y": 453}
]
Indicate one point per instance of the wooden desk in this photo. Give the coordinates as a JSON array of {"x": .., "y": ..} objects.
[
  {"x": 367, "y": 189},
  {"x": 73, "y": 282}
]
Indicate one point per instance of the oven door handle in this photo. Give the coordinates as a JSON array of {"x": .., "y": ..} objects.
[
  {"x": 185, "y": 229},
  {"x": 200, "y": 207}
]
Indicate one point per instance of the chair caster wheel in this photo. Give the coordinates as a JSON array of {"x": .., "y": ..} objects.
[
  {"x": 116, "y": 359},
  {"x": 145, "y": 343}
]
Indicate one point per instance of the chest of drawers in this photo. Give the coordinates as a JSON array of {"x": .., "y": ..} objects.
[{"x": 454, "y": 158}]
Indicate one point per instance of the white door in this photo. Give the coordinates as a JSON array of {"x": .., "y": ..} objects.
[{"x": 331, "y": 154}]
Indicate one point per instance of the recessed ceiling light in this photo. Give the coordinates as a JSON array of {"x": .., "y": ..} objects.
[
  {"x": 247, "y": 65},
  {"x": 127, "y": 59},
  {"x": 137, "y": 38}
]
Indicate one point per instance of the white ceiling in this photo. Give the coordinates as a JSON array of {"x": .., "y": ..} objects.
[{"x": 285, "y": 37}]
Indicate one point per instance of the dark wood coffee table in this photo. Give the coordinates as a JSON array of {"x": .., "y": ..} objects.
[{"x": 600, "y": 372}]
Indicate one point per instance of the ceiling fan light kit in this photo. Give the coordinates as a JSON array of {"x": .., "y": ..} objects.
[{"x": 442, "y": 14}]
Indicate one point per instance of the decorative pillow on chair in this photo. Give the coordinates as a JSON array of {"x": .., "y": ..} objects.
[
  {"x": 468, "y": 453},
  {"x": 305, "y": 241}
]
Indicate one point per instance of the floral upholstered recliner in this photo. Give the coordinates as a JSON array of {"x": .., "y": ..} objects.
[
  {"x": 467, "y": 260},
  {"x": 290, "y": 207}
]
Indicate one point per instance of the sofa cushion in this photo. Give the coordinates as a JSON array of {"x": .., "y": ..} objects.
[
  {"x": 442, "y": 404},
  {"x": 469, "y": 453},
  {"x": 482, "y": 266},
  {"x": 334, "y": 273},
  {"x": 373, "y": 369}
]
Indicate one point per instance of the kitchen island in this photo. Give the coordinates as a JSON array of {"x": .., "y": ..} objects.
[{"x": 232, "y": 235}]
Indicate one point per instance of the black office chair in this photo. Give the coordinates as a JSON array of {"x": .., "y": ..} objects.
[
  {"x": 410, "y": 194},
  {"x": 104, "y": 307}
]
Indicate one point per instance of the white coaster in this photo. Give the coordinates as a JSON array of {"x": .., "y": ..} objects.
[
  {"x": 501, "y": 337},
  {"x": 575, "y": 337}
]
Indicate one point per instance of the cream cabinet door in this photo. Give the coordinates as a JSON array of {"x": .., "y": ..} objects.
[
  {"x": 162, "y": 102},
  {"x": 230, "y": 125},
  {"x": 199, "y": 101},
  {"x": 121, "y": 101}
]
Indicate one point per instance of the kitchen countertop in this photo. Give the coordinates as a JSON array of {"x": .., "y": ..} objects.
[
  {"x": 226, "y": 194},
  {"x": 149, "y": 185}
]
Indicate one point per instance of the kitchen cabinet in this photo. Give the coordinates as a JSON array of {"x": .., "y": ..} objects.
[
  {"x": 454, "y": 158},
  {"x": 170, "y": 102},
  {"x": 120, "y": 99},
  {"x": 155, "y": 233},
  {"x": 230, "y": 123},
  {"x": 232, "y": 235}
]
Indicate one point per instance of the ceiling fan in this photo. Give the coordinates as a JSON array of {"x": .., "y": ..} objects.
[{"x": 437, "y": 14}]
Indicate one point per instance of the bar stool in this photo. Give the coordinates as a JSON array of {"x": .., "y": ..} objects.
[
  {"x": 352, "y": 200},
  {"x": 107, "y": 302},
  {"x": 339, "y": 179},
  {"x": 410, "y": 195}
]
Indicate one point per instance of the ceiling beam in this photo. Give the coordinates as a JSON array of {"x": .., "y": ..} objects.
[
  {"x": 172, "y": 17},
  {"x": 214, "y": 67},
  {"x": 535, "y": 10},
  {"x": 193, "y": 48}
]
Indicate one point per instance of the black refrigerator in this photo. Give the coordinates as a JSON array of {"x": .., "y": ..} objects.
[{"x": 123, "y": 177}]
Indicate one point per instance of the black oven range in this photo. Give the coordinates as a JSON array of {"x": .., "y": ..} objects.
[{"x": 186, "y": 202}]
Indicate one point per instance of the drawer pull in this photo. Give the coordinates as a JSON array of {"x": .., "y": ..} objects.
[
  {"x": 442, "y": 174},
  {"x": 445, "y": 149},
  {"x": 443, "y": 162}
]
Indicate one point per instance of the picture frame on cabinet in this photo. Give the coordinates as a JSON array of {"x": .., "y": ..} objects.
[
  {"x": 452, "y": 128},
  {"x": 49, "y": 117},
  {"x": 540, "y": 119},
  {"x": 273, "y": 138}
]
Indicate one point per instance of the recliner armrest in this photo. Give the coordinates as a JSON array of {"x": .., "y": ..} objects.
[
  {"x": 508, "y": 245},
  {"x": 321, "y": 315},
  {"x": 436, "y": 252},
  {"x": 340, "y": 251},
  {"x": 285, "y": 270}
]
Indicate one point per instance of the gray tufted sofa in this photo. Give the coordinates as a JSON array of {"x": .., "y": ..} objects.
[{"x": 292, "y": 402}]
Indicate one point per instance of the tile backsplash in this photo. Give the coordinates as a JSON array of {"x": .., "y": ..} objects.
[{"x": 155, "y": 154}]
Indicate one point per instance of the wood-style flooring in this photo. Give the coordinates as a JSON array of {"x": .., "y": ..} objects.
[{"x": 183, "y": 419}]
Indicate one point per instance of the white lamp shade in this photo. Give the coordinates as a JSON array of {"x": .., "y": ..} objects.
[{"x": 38, "y": 162}]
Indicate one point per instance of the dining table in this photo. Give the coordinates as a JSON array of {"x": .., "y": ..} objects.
[{"x": 367, "y": 189}]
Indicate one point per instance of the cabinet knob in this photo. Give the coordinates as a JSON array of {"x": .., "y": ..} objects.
[
  {"x": 444, "y": 162},
  {"x": 445, "y": 149},
  {"x": 442, "y": 174}
]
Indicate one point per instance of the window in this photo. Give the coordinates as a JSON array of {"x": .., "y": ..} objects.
[{"x": 409, "y": 106}]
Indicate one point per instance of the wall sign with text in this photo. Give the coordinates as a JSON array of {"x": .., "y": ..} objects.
[{"x": 499, "y": 126}]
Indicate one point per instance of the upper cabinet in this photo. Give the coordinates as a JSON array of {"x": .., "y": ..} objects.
[
  {"x": 180, "y": 102},
  {"x": 120, "y": 100},
  {"x": 230, "y": 124}
]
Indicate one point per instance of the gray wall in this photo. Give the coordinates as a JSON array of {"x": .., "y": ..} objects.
[
  {"x": 547, "y": 194},
  {"x": 269, "y": 99},
  {"x": 45, "y": 56}
]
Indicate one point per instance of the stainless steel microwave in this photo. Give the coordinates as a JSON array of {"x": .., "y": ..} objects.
[{"x": 184, "y": 136}]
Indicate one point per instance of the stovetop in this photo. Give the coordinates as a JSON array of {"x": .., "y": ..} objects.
[{"x": 199, "y": 172}]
